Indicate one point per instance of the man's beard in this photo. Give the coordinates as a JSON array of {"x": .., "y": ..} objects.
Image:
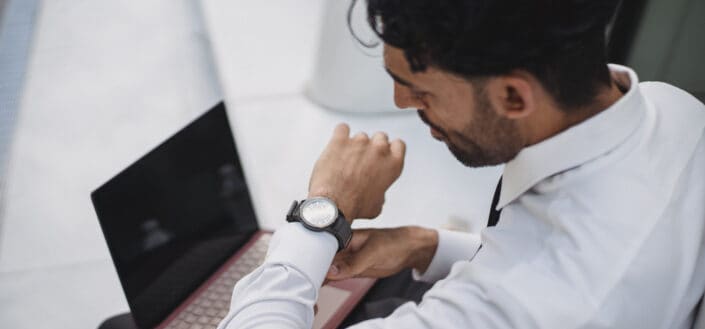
[{"x": 487, "y": 141}]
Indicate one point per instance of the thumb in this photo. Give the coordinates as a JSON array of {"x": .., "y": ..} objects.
[{"x": 340, "y": 270}]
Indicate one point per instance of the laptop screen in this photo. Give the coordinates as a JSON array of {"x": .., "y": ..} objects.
[{"x": 174, "y": 216}]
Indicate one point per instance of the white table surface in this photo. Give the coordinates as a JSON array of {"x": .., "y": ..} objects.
[{"x": 107, "y": 81}]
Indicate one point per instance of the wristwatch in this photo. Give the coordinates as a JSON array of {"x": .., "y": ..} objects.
[{"x": 321, "y": 214}]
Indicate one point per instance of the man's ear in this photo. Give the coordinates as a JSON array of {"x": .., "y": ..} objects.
[{"x": 512, "y": 96}]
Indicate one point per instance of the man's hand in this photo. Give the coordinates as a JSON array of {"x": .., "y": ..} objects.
[
  {"x": 355, "y": 172},
  {"x": 379, "y": 253}
]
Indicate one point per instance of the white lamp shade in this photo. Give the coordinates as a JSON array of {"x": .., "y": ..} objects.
[{"x": 348, "y": 76}]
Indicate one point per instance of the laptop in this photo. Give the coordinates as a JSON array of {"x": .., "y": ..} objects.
[{"x": 181, "y": 231}]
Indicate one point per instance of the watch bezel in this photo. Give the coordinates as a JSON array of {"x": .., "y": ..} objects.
[{"x": 309, "y": 201}]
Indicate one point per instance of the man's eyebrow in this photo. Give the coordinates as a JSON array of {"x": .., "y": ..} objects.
[{"x": 398, "y": 79}]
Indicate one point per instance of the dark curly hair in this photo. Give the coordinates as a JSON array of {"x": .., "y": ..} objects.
[{"x": 560, "y": 42}]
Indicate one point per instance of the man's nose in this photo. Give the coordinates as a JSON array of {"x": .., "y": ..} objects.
[{"x": 405, "y": 99}]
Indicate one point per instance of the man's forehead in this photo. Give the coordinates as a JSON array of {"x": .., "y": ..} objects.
[
  {"x": 394, "y": 58},
  {"x": 398, "y": 67}
]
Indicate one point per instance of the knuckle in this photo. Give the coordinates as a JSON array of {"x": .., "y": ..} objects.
[
  {"x": 398, "y": 167},
  {"x": 361, "y": 137},
  {"x": 341, "y": 131},
  {"x": 380, "y": 142},
  {"x": 400, "y": 143},
  {"x": 381, "y": 148},
  {"x": 399, "y": 146},
  {"x": 380, "y": 135}
]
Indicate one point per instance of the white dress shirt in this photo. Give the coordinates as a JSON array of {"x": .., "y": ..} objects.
[{"x": 602, "y": 226}]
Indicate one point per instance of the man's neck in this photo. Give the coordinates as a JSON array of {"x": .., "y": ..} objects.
[
  {"x": 561, "y": 120},
  {"x": 604, "y": 99}
]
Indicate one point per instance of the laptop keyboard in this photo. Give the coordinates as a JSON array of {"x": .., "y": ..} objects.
[{"x": 211, "y": 306}]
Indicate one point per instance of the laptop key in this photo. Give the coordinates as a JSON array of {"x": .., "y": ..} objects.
[
  {"x": 190, "y": 318},
  {"x": 198, "y": 310},
  {"x": 210, "y": 307},
  {"x": 220, "y": 305},
  {"x": 211, "y": 311}
]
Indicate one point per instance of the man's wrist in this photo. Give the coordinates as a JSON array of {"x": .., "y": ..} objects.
[
  {"x": 425, "y": 243},
  {"x": 345, "y": 206}
]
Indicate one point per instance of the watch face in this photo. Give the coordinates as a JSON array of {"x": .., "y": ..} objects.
[{"x": 319, "y": 212}]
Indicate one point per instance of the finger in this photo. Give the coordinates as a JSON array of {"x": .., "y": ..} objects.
[
  {"x": 398, "y": 148},
  {"x": 333, "y": 272},
  {"x": 359, "y": 238},
  {"x": 380, "y": 138},
  {"x": 361, "y": 136},
  {"x": 354, "y": 260},
  {"x": 342, "y": 130},
  {"x": 340, "y": 271},
  {"x": 354, "y": 265}
]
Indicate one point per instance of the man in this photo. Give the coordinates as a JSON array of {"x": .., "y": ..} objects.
[{"x": 602, "y": 198}]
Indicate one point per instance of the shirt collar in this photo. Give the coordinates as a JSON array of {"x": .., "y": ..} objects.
[{"x": 578, "y": 144}]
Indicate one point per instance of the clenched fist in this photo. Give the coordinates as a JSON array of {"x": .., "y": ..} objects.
[{"x": 356, "y": 172}]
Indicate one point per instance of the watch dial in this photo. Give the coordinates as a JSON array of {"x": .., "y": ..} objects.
[{"x": 319, "y": 212}]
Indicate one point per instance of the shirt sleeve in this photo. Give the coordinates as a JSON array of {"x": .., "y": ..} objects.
[
  {"x": 453, "y": 246},
  {"x": 461, "y": 300},
  {"x": 281, "y": 293}
]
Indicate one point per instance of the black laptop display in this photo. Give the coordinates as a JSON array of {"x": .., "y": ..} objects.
[
  {"x": 174, "y": 216},
  {"x": 182, "y": 232}
]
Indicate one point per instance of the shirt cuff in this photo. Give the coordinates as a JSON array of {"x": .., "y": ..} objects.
[
  {"x": 307, "y": 251},
  {"x": 452, "y": 247}
]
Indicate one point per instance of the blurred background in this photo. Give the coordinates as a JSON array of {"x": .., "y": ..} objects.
[{"x": 87, "y": 87}]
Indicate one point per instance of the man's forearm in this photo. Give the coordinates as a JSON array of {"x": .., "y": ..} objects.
[{"x": 425, "y": 243}]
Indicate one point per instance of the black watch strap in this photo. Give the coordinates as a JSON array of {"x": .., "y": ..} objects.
[{"x": 340, "y": 228}]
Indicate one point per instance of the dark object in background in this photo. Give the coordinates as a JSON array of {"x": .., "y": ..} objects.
[
  {"x": 662, "y": 40},
  {"x": 624, "y": 27}
]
